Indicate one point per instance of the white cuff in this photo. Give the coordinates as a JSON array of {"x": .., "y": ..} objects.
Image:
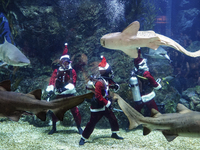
[
  {"x": 70, "y": 89},
  {"x": 50, "y": 88},
  {"x": 108, "y": 104},
  {"x": 158, "y": 87}
]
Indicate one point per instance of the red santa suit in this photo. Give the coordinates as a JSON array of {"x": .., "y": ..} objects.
[
  {"x": 61, "y": 78},
  {"x": 100, "y": 105},
  {"x": 147, "y": 84}
]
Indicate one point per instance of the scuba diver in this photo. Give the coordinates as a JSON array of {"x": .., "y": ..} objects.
[
  {"x": 143, "y": 84},
  {"x": 62, "y": 82},
  {"x": 6, "y": 33},
  {"x": 102, "y": 102}
]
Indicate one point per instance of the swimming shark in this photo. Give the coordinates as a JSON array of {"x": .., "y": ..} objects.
[
  {"x": 184, "y": 123},
  {"x": 13, "y": 104},
  {"x": 130, "y": 39},
  {"x": 160, "y": 53},
  {"x": 11, "y": 55}
]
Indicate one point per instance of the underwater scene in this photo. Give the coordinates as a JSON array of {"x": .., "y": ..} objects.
[{"x": 99, "y": 74}]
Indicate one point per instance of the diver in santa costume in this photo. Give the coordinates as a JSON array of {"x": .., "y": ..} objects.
[
  {"x": 143, "y": 85},
  {"x": 101, "y": 103},
  {"x": 62, "y": 83}
]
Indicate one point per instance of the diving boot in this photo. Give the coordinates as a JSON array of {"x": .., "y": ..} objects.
[
  {"x": 53, "y": 128},
  {"x": 114, "y": 135},
  {"x": 82, "y": 141},
  {"x": 80, "y": 130}
]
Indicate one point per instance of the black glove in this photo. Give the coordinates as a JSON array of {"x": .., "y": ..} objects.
[
  {"x": 134, "y": 72},
  {"x": 60, "y": 90},
  {"x": 116, "y": 87},
  {"x": 110, "y": 107},
  {"x": 50, "y": 94},
  {"x": 138, "y": 102}
]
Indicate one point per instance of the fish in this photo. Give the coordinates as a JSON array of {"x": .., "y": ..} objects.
[
  {"x": 169, "y": 78},
  {"x": 185, "y": 122},
  {"x": 130, "y": 39},
  {"x": 160, "y": 53},
  {"x": 13, "y": 104},
  {"x": 11, "y": 55}
]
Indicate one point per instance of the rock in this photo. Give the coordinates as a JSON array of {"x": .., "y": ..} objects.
[
  {"x": 187, "y": 94},
  {"x": 197, "y": 89},
  {"x": 197, "y": 107},
  {"x": 184, "y": 102},
  {"x": 187, "y": 18},
  {"x": 192, "y": 107}
]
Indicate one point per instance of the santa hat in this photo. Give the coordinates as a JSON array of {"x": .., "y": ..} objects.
[
  {"x": 65, "y": 55},
  {"x": 138, "y": 60},
  {"x": 103, "y": 65}
]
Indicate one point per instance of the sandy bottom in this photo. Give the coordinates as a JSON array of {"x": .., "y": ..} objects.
[{"x": 23, "y": 136}]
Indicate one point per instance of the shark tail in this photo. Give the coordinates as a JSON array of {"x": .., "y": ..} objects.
[
  {"x": 132, "y": 115},
  {"x": 64, "y": 104},
  {"x": 171, "y": 43}
]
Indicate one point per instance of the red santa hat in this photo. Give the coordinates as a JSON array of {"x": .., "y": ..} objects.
[
  {"x": 103, "y": 65},
  {"x": 138, "y": 60},
  {"x": 65, "y": 55}
]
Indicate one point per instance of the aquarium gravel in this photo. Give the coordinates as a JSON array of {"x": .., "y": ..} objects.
[{"x": 23, "y": 136}]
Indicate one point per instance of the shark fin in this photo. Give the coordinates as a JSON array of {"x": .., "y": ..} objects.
[
  {"x": 5, "y": 85},
  {"x": 15, "y": 116},
  {"x": 154, "y": 43},
  {"x": 60, "y": 113},
  {"x": 155, "y": 113},
  {"x": 182, "y": 109},
  {"x": 132, "y": 29},
  {"x": 133, "y": 53},
  {"x": 42, "y": 115},
  {"x": 169, "y": 137},
  {"x": 36, "y": 93},
  {"x": 146, "y": 131}
]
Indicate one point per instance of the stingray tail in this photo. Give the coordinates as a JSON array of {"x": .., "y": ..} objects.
[{"x": 132, "y": 115}]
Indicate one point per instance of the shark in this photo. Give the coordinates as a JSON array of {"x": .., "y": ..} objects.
[
  {"x": 11, "y": 55},
  {"x": 13, "y": 105},
  {"x": 185, "y": 122},
  {"x": 131, "y": 38},
  {"x": 160, "y": 53}
]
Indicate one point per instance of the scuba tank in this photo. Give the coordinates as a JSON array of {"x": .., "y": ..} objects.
[{"x": 135, "y": 89}]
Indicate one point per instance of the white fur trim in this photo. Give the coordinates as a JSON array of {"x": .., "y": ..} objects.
[
  {"x": 141, "y": 61},
  {"x": 108, "y": 104},
  {"x": 97, "y": 110},
  {"x": 148, "y": 97},
  {"x": 50, "y": 88},
  {"x": 158, "y": 87},
  {"x": 90, "y": 84},
  {"x": 70, "y": 89},
  {"x": 64, "y": 56},
  {"x": 104, "y": 68}
]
